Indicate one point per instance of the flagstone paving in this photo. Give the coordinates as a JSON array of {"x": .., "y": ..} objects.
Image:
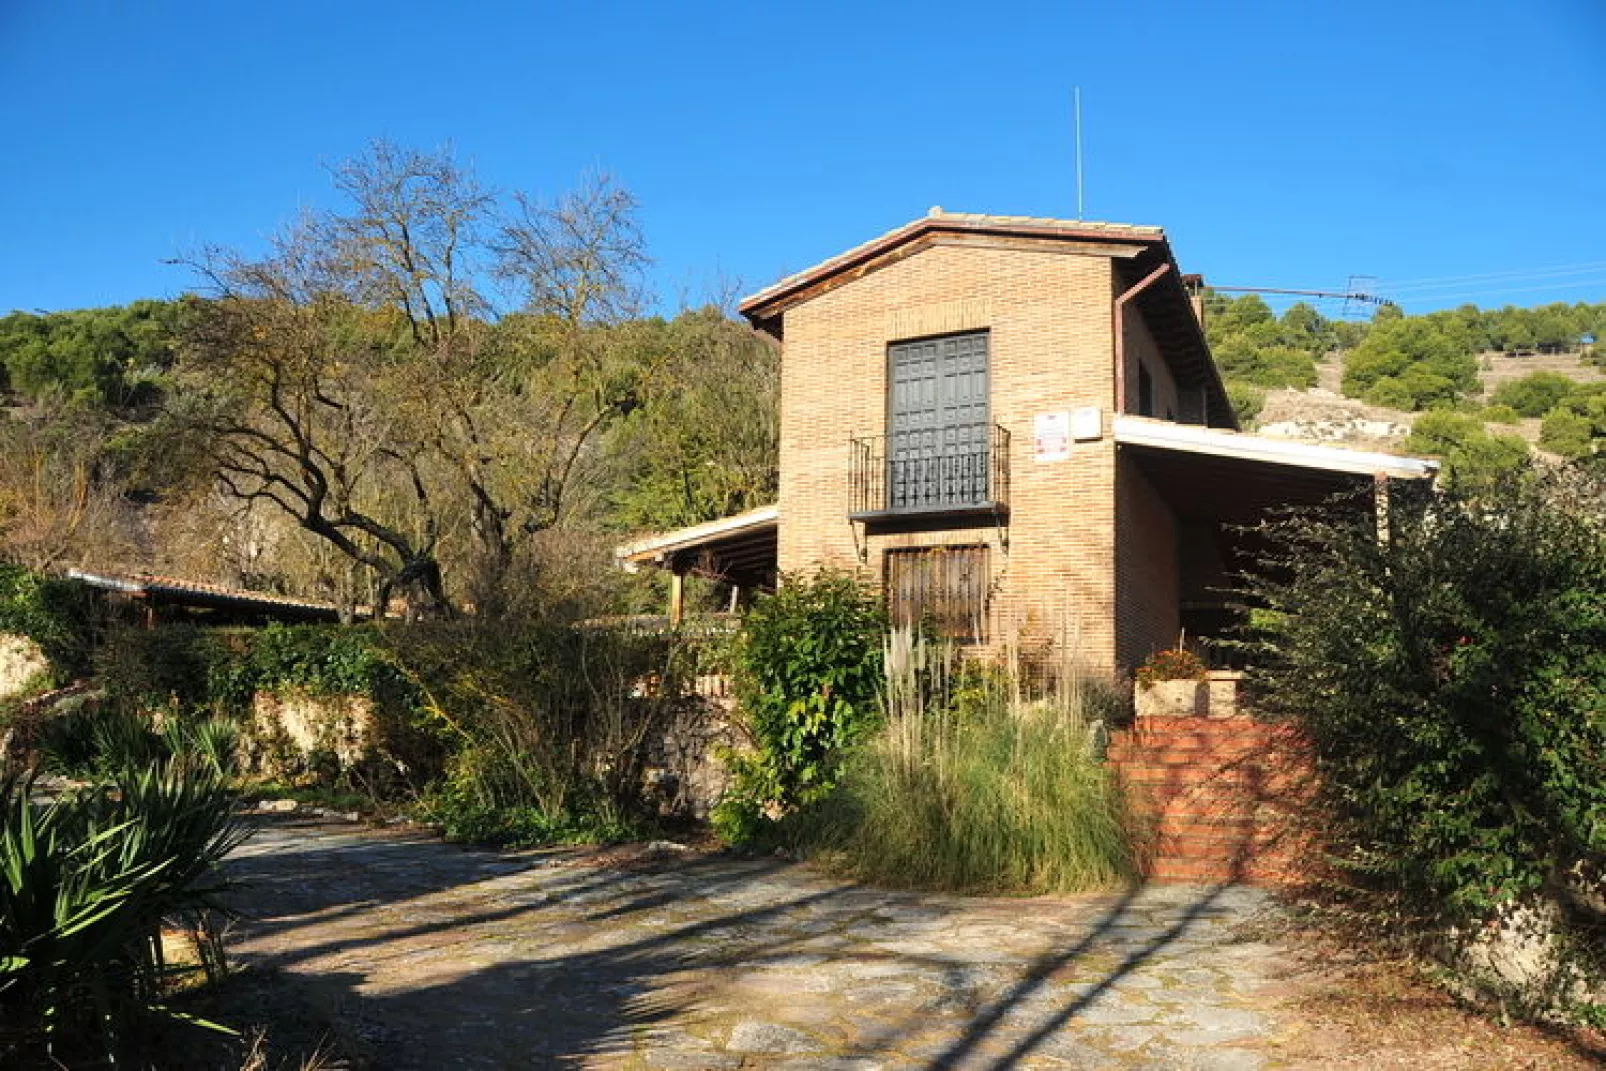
[{"x": 430, "y": 955}]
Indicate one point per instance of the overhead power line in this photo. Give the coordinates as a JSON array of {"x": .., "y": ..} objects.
[
  {"x": 1470, "y": 295},
  {"x": 1442, "y": 281},
  {"x": 1364, "y": 297}
]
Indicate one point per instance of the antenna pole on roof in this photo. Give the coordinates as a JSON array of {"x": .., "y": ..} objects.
[{"x": 1076, "y": 96}]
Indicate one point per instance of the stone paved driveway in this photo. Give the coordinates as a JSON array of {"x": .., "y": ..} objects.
[{"x": 436, "y": 956}]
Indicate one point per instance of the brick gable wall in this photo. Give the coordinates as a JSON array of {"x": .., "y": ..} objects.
[{"x": 1051, "y": 349}]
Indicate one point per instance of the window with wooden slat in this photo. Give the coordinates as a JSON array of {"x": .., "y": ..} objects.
[{"x": 942, "y": 590}]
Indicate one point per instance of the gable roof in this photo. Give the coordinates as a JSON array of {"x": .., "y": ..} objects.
[
  {"x": 1137, "y": 250},
  {"x": 765, "y": 307}
]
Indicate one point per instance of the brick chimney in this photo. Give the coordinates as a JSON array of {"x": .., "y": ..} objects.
[{"x": 1195, "y": 285}]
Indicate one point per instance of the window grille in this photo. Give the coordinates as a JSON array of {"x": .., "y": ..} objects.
[{"x": 942, "y": 590}]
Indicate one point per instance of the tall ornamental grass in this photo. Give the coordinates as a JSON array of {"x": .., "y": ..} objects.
[{"x": 980, "y": 782}]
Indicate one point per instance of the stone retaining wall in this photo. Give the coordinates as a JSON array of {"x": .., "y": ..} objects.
[
  {"x": 684, "y": 775},
  {"x": 289, "y": 728},
  {"x": 23, "y": 665}
]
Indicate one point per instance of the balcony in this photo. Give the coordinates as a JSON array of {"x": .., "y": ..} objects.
[{"x": 968, "y": 478}]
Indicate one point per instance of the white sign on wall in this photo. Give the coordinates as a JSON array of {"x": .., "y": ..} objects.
[
  {"x": 1053, "y": 433},
  {"x": 1087, "y": 424}
]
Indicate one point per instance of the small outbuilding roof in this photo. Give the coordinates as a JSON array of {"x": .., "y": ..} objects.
[{"x": 192, "y": 593}]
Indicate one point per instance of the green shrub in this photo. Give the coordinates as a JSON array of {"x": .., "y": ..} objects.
[
  {"x": 809, "y": 671},
  {"x": 98, "y": 741},
  {"x": 1247, "y": 401},
  {"x": 179, "y": 668},
  {"x": 1473, "y": 459},
  {"x": 970, "y": 787},
  {"x": 1452, "y": 680},
  {"x": 86, "y": 884},
  {"x": 1410, "y": 363},
  {"x": 1535, "y": 394},
  {"x": 212, "y": 742},
  {"x": 545, "y": 725},
  {"x": 463, "y": 813},
  {"x": 1501, "y": 414},
  {"x": 1567, "y": 433},
  {"x": 56, "y": 614},
  {"x": 322, "y": 659}
]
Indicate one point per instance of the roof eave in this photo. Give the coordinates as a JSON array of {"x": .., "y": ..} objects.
[
  {"x": 1218, "y": 442},
  {"x": 663, "y": 543}
]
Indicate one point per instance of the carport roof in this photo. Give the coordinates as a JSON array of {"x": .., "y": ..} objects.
[{"x": 1231, "y": 476}]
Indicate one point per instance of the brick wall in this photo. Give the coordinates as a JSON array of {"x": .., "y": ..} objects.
[
  {"x": 1228, "y": 799},
  {"x": 1148, "y": 585},
  {"x": 1140, "y": 348},
  {"x": 1050, "y": 349}
]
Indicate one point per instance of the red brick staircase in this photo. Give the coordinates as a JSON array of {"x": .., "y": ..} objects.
[{"x": 1227, "y": 798}]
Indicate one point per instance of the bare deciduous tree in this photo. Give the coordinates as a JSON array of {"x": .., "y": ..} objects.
[
  {"x": 59, "y": 505},
  {"x": 358, "y": 379}
]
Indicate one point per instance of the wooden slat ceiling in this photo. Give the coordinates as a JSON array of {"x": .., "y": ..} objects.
[
  {"x": 1235, "y": 491},
  {"x": 747, "y": 560}
]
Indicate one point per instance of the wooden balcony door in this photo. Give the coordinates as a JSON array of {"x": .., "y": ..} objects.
[{"x": 937, "y": 423}]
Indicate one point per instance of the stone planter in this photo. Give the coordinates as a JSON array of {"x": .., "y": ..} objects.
[
  {"x": 1226, "y": 690},
  {"x": 1173, "y": 699}
]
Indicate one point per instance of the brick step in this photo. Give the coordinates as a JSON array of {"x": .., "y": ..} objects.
[
  {"x": 1195, "y": 847},
  {"x": 1128, "y": 748},
  {"x": 1216, "y": 824},
  {"x": 1183, "y": 766},
  {"x": 1166, "y": 755},
  {"x": 1195, "y": 724},
  {"x": 1191, "y": 746},
  {"x": 1232, "y": 741},
  {"x": 1224, "y": 786},
  {"x": 1219, "y": 820},
  {"x": 1228, "y": 833},
  {"x": 1212, "y": 872},
  {"x": 1199, "y": 776},
  {"x": 1156, "y": 797},
  {"x": 1202, "y": 727},
  {"x": 1216, "y": 827}
]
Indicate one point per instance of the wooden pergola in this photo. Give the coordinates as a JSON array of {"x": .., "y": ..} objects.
[{"x": 739, "y": 551}]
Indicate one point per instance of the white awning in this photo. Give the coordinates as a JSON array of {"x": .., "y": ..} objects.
[{"x": 1239, "y": 446}]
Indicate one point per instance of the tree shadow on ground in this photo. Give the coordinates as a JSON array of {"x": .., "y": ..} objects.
[{"x": 577, "y": 965}]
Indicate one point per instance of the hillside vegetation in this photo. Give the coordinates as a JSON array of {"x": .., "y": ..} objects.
[{"x": 1474, "y": 387}]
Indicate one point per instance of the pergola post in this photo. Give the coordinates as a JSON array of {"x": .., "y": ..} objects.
[
  {"x": 677, "y": 598},
  {"x": 1380, "y": 506}
]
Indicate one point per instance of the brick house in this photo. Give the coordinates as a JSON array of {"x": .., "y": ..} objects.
[{"x": 1015, "y": 427}]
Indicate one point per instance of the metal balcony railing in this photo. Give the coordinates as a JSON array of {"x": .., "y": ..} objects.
[{"x": 963, "y": 479}]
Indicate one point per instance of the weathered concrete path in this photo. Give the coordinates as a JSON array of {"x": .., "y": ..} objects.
[{"x": 435, "y": 956}]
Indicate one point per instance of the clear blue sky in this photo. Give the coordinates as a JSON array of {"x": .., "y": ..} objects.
[{"x": 1279, "y": 142}]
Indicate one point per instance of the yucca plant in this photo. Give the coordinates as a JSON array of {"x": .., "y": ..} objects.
[
  {"x": 213, "y": 741},
  {"x": 86, "y": 884},
  {"x": 126, "y": 741}
]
